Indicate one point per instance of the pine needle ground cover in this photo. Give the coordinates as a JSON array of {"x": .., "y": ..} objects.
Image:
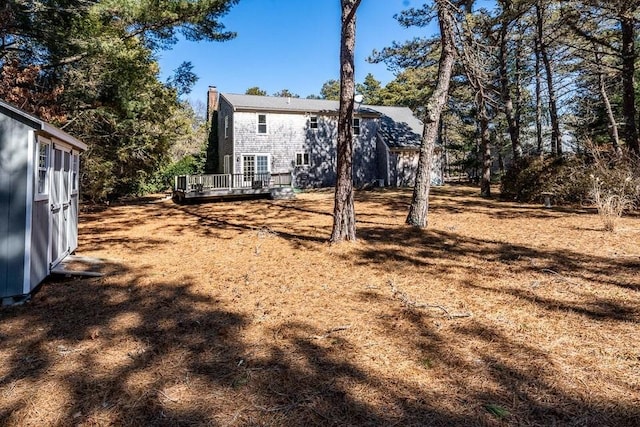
[{"x": 240, "y": 313}]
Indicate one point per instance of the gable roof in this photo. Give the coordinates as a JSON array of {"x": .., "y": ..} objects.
[
  {"x": 41, "y": 125},
  {"x": 399, "y": 128},
  {"x": 275, "y": 103}
]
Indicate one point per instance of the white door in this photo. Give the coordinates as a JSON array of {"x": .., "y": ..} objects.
[
  {"x": 255, "y": 166},
  {"x": 60, "y": 204}
]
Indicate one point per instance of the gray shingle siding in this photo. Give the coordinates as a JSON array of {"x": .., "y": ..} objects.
[
  {"x": 289, "y": 134},
  {"x": 387, "y": 147},
  {"x": 225, "y": 113}
]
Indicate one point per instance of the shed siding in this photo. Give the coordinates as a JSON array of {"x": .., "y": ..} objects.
[
  {"x": 13, "y": 203},
  {"x": 39, "y": 242},
  {"x": 73, "y": 223}
]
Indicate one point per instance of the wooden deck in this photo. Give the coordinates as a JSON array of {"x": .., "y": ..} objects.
[{"x": 190, "y": 187}]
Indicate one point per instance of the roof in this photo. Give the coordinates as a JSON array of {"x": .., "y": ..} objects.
[
  {"x": 275, "y": 103},
  {"x": 399, "y": 127},
  {"x": 45, "y": 127}
]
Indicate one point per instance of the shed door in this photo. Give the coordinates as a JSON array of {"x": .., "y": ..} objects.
[{"x": 60, "y": 204}]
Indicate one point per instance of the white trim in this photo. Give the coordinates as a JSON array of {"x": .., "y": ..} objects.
[
  {"x": 61, "y": 135},
  {"x": 75, "y": 182},
  {"x": 41, "y": 140},
  {"x": 63, "y": 148},
  {"x": 317, "y": 122},
  {"x": 61, "y": 145},
  {"x": 303, "y": 164},
  {"x": 353, "y": 126},
  {"x": 242, "y": 155},
  {"x": 46, "y": 127},
  {"x": 31, "y": 149},
  {"x": 266, "y": 124}
]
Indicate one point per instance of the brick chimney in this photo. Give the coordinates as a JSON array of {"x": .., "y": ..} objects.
[{"x": 212, "y": 101}]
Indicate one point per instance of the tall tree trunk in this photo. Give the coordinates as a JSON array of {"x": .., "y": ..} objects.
[
  {"x": 505, "y": 91},
  {"x": 344, "y": 216},
  {"x": 419, "y": 208},
  {"x": 556, "y": 139},
  {"x": 485, "y": 147},
  {"x": 613, "y": 126},
  {"x": 538, "y": 99},
  {"x": 518, "y": 89},
  {"x": 628, "y": 82}
]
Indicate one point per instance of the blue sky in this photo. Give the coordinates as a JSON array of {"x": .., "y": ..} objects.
[{"x": 292, "y": 44}]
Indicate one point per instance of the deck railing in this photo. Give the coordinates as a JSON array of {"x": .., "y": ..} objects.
[{"x": 209, "y": 182}]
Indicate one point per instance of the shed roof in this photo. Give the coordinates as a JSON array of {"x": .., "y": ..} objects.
[
  {"x": 399, "y": 127},
  {"x": 43, "y": 126}
]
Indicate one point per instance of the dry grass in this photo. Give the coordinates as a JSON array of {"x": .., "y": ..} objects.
[
  {"x": 610, "y": 205},
  {"x": 241, "y": 314}
]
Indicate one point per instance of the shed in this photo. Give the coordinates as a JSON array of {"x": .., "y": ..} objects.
[{"x": 39, "y": 166}]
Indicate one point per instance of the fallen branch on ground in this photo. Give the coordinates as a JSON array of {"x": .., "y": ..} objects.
[
  {"x": 546, "y": 270},
  {"x": 410, "y": 304},
  {"x": 330, "y": 331}
]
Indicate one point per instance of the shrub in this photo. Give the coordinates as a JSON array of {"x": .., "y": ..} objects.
[
  {"x": 611, "y": 203},
  {"x": 532, "y": 176},
  {"x": 571, "y": 179},
  {"x": 188, "y": 165}
]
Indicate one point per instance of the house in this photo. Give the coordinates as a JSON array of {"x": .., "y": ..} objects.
[
  {"x": 263, "y": 134},
  {"x": 39, "y": 167}
]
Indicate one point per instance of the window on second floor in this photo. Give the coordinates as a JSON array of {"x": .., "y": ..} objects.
[
  {"x": 262, "y": 123},
  {"x": 313, "y": 122},
  {"x": 226, "y": 126},
  {"x": 356, "y": 126}
]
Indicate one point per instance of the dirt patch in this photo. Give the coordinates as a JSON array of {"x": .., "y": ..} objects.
[{"x": 241, "y": 313}]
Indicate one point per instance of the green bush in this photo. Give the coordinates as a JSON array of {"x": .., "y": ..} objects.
[{"x": 188, "y": 165}]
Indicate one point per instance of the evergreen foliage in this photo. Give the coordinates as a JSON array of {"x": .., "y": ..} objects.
[{"x": 89, "y": 67}]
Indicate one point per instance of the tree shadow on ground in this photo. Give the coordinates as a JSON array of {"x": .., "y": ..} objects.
[
  {"x": 131, "y": 349},
  {"x": 457, "y": 249},
  {"x": 121, "y": 341},
  {"x": 112, "y": 352}
]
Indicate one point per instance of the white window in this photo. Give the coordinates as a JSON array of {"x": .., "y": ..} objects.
[
  {"x": 356, "y": 126},
  {"x": 262, "y": 123},
  {"x": 226, "y": 126},
  {"x": 75, "y": 163},
  {"x": 313, "y": 122},
  {"x": 302, "y": 159},
  {"x": 42, "y": 170}
]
